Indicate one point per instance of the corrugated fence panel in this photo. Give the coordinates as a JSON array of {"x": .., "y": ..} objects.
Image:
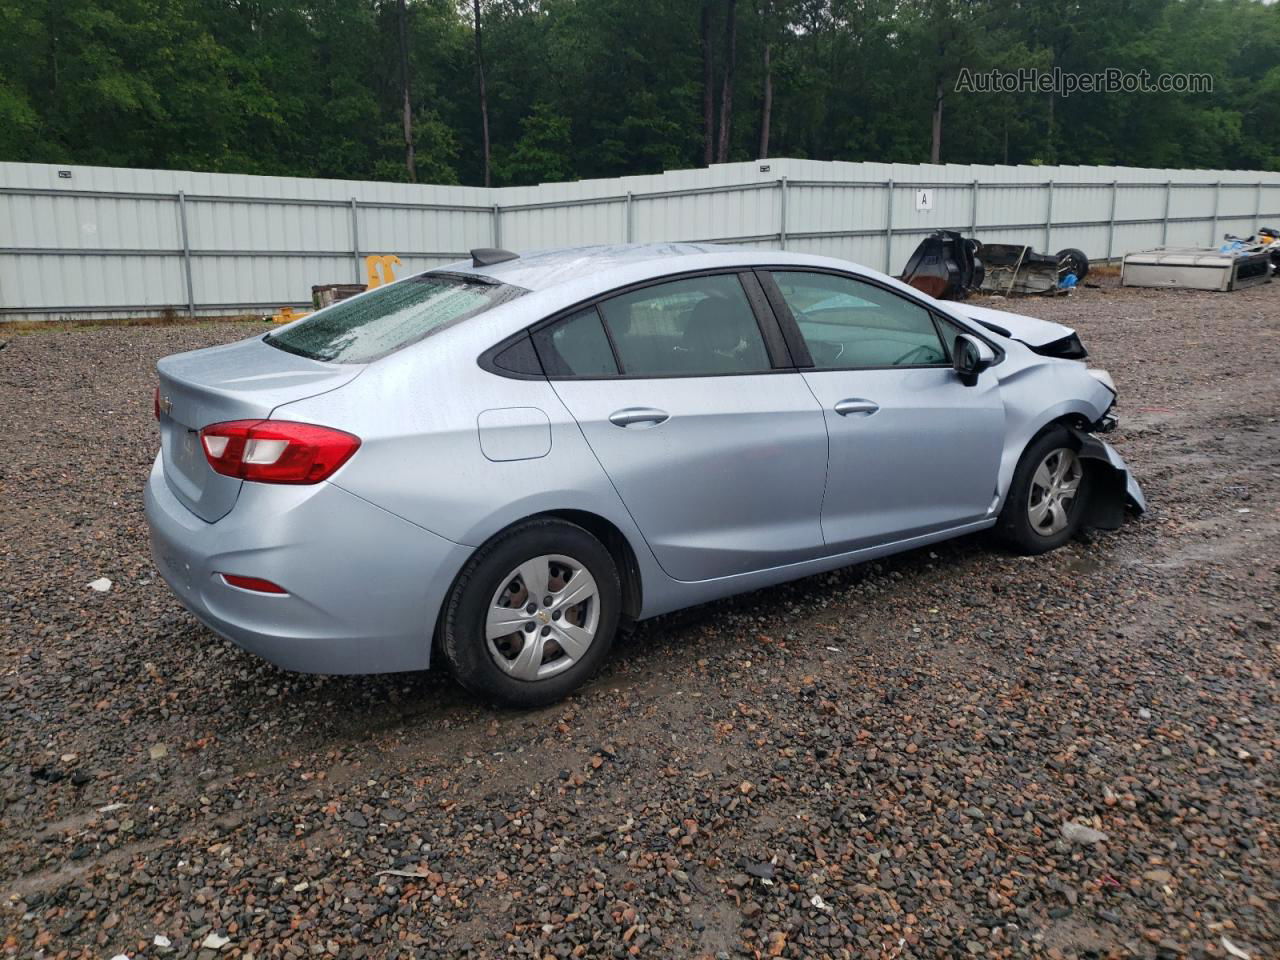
[
  {"x": 950, "y": 206},
  {"x": 1132, "y": 236},
  {"x": 265, "y": 282},
  {"x": 1188, "y": 233},
  {"x": 1192, "y": 201},
  {"x": 103, "y": 242},
  {"x": 265, "y": 227},
  {"x": 89, "y": 222},
  {"x": 1080, "y": 203},
  {"x": 1092, "y": 239},
  {"x": 1023, "y": 204},
  {"x": 865, "y": 249},
  {"x": 1140, "y": 202},
  {"x": 814, "y": 207},
  {"x": 730, "y": 215},
  {"x": 406, "y": 231},
  {"x": 87, "y": 282},
  {"x": 564, "y": 226}
]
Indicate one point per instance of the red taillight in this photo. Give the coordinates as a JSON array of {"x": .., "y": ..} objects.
[
  {"x": 276, "y": 451},
  {"x": 156, "y": 402},
  {"x": 257, "y": 584}
]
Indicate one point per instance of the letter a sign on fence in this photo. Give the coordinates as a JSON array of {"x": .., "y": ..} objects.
[{"x": 924, "y": 199}]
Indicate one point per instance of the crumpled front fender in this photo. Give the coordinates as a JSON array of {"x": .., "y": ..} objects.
[{"x": 1114, "y": 486}]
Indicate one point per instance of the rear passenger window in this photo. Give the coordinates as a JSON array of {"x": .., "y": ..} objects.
[
  {"x": 576, "y": 347},
  {"x": 698, "y": 326}
]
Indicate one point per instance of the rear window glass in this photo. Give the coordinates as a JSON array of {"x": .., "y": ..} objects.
[
  {"x": 576, "y": 346},
  {"x": 375, "y": 324}
]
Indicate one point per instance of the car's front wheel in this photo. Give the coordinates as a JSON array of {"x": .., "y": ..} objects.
[
  {"x": 1048, "y": 495},
  {"x": 533, "y": 613}
]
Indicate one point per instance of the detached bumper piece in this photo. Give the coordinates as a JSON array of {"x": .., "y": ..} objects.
[{"x": 1114, "y": 489}]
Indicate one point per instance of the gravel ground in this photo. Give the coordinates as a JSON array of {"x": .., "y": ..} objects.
[{"x": 874, "y": 763}]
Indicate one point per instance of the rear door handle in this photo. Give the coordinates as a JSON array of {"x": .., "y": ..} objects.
[
  {"x": 632, "y": 416},
  {"x": 856, "y": 405}
]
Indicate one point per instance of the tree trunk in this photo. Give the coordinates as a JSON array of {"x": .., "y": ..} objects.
[
  {"x": 726, "y": 90},
  {"x": 935, "y": 152},
  {"x": 1049, "y": 152},
  {"x": 484, "y": 96},
  {"x": 404, "y": 91},
  {"x": 766, "y": 106},
  {"x": 708, "y": 89}
]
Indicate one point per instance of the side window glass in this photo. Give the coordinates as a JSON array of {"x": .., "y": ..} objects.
[
  {"x": 949, "y": 333},
  {"x": 848, "y": 324},
  {"x": 576, "y": 347},
  {"x": 698, "y": 326}
]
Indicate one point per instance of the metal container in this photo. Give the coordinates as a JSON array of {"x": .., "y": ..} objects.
[
  {"x": 1194, "y": 268},
  {"x": 323, "y": 295}
]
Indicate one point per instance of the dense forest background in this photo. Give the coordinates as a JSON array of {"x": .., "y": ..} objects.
[{"x": 563, "y": 89}]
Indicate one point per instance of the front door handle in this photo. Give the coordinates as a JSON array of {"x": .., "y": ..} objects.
[
  {"x": 632, "y": 416},
  {"x": 856, "y": 405}
]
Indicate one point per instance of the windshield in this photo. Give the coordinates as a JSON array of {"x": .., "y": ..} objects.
[{"x": 375, "y": 324}]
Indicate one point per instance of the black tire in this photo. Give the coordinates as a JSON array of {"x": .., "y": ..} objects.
[
  {"x": 1014, "y": 527},
  {"x": 1074, "y": 261},
  {"x": 463, "y": 626}
]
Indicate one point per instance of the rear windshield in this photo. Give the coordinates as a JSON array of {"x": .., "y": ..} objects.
[{"x": 375, "y": 324}]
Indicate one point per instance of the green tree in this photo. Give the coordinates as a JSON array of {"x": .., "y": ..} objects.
[
  {"x": 588, "y": 88},
  {"x": 542, "y": 153}
]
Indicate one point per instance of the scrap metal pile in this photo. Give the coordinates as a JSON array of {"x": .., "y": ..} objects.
[
  {"x": 1238, "y": 263},
  {"x": 949, "y": 266}
]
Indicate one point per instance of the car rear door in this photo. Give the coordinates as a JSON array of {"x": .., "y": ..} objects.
[
  {"x": 685, "y": 392},
  {"x": 913, "y": 450}
]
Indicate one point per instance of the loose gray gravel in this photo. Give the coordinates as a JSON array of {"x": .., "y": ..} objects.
[{"x": 890, "y": 761}]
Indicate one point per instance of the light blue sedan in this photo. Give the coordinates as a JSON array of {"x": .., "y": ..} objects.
[{"x": 499, "y": 461}]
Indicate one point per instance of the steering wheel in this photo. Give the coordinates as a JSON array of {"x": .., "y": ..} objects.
[{"x": 927, "y": 352}]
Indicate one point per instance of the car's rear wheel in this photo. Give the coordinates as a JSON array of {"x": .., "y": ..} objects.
[
  {"x": 1048, "y": 495},
  {"x": 533, "y": 614},
  {"x": 1073, "y": 261}
]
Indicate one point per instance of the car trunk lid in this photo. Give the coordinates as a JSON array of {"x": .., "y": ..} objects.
[{"x": 239, "y": 381}]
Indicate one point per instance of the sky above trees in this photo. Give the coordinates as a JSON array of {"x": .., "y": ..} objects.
[{"x": 564, "y": 89}]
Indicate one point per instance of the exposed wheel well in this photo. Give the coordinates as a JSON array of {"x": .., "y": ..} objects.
[
  {"x": 1077, "y": 421},
  {"x": 620, "y": 549},
  {"x": 613, "y": 540},
  {"x": 1107, "y": 497}
]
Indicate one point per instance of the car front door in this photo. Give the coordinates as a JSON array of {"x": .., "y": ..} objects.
[
  {"x": 913, "y": 450},
  {"x": 686, "y": 395}
]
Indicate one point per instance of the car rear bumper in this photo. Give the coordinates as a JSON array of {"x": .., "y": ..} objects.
[{"x": 363, "y": 586}]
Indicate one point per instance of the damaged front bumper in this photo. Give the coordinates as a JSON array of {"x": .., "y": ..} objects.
[{"x": 1115, "y": 488}]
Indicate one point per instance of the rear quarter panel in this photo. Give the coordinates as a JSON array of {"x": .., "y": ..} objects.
[{"x": 418, "y": 414}]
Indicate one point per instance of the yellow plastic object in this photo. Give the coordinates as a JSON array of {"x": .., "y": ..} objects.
[
  {"x": 288, "y": 315},
  {"x": 385, "y": 261}
]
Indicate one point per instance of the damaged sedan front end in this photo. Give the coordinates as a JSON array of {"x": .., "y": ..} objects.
[{"x": 1029, "y": 339}]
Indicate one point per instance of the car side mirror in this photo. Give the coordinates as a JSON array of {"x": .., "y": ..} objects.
[{"x": 971, "y": 356}]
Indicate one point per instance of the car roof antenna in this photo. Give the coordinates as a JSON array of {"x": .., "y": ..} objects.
[{"x": 488, "y": 256}]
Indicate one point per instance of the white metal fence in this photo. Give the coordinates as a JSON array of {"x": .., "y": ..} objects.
[{"x": 83, "y": 242}]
